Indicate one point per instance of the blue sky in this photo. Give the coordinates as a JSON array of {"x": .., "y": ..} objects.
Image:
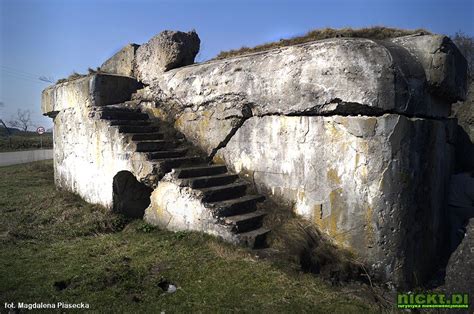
[{"x": 53, "y": 38}]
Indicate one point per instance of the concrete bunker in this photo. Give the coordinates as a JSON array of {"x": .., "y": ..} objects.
[
  {"x": 130, "y": 197},
  {"x": 383, "y": 122}
]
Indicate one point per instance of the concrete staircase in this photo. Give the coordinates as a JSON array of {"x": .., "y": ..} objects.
[{"x": 222, "y": 192}]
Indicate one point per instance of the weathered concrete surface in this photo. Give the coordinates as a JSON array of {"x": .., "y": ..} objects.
[
  {"x": 459, "y": 277},
  {"x": 464, "y": 112},
  {"x": 21, "y": 157},
  {"x": 165, "y": 51},
  {"x": 92, "y": 90},
  {"x": 123, "y": 62},
  {"x": 375, "y": 184},
  {"x": 445, "y": 67},
  {"x": 334, "y": 76},
  {"x": 88, "y": 153},
  {"x": 176, "y": 208}
]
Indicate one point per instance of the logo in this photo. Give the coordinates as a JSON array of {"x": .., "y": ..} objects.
[{"x": 432, "y": 300}]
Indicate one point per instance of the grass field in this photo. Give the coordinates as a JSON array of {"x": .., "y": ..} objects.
[
  {"x": 54, "y": 247},
  {"x": 25, "y": 141}
]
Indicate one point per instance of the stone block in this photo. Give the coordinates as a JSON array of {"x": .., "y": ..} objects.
[
  {"x": 165, "y": 51},
  {"x": 121, "y": 63},
  {"x": 444, "y": 65}
]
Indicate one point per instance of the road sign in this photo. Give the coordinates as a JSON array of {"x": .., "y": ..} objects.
[{"x": 40, "y": 130}]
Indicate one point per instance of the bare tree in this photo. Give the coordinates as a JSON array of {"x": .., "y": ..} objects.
[{"x": 22, "y": 120}]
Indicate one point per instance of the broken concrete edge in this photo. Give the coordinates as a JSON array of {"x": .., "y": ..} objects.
[
  {"x": 439, "y": 57},
  {"x": 165, "y": 51},
  {"x": 336, "y": 76},
  {"x": 178, "y": 208},
  {"x": 93, "y": 90}
]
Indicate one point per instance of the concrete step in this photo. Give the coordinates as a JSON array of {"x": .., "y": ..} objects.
[
  {"x": 245, "y": 222},
  {"x": 153, "y": 146},
  {"x": 209, "y": 181},
  {"x": 199, "y": 171},
  {"x": 169, "y": 163},
  {"x": 224, "y": 192},
  {"x": 129, "y": 122},
  {"x": 237, "y": 206},
  {"x": 118, "y": 107},
  {"x": 172, "y": 153},
  {"x": 122, "y": 115},
  {"x": 137, "y": 129},
  {"x": 255, "y": 239},
  {"x": 146, "y": 136}
]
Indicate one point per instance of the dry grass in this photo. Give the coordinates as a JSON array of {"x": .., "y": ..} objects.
[
  {"x": 377, "y": 33},
  {"x": 303, "y": 245},
  {"x": 75, "y": 75}
]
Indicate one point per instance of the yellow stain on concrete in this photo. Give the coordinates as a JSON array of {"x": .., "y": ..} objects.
[
  {"x": 157, "y": 113},
  {"x": 218, "y": 160},
  {"x": 333, "y": 177},
  {"x": 179, "y": 123},
  {"x": 333, "y": 133},
  {"x": 330, "y": 223},
  {"x": 317, "y": 214},
  {"x": 301, "y": 195},
  {"x": 369, "y": 234}
]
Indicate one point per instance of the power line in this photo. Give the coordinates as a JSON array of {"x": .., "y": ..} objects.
[
  {"x": 24, "y": 75},
  {"x": 25, "y": 78},
  {"x": 21, "y": 71}
]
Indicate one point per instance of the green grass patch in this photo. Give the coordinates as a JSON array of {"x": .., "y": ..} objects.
[
  {"x": 377, "y": 33},
  {"x": 54, "y": 247}
]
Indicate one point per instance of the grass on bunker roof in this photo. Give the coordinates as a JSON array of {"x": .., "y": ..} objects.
[
  {"x": 375, "y": 33},
  {"x": 54, "y": 247}
]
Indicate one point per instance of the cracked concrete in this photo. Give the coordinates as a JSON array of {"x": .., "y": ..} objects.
[{"x": 351, "y": 134}]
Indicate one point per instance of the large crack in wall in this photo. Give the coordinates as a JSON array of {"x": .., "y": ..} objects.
[{"x": 341, "y": 109}]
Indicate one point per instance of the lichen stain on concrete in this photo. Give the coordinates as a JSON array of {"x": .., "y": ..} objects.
[
  {"x": 157, "y": 113},
  {"x": 333, "y": 177},
  {"x": 330, "y": 223},
  {"x": 217, "y": 159},
  {"x": 203, "y": 124},
  {"x": 369, "y": 228},
  {"x": 332, "y": 131},
  {"x": 301, "y": 195}
]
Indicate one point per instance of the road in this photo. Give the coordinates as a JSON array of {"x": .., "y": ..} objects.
[{"x": 20, "y": 157}]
